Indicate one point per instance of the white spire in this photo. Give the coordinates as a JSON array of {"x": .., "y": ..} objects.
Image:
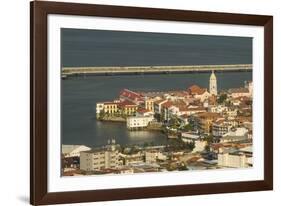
[{"x": 213, "y": 84}]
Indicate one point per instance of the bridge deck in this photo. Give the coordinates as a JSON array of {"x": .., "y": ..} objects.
[{"x": 155, "y": 69}]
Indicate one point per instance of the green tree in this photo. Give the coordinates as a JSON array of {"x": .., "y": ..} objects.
[
  {"x": 209, "y": 139},
  {"x": 222, "y": 98},
  {"x": 190, "y": 146},
  {"x": 207, "y": 148},
  {"x": 188, "y": 127}
]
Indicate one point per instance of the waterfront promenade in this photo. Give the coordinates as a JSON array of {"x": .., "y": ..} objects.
[{"x": 154, "y": 69}]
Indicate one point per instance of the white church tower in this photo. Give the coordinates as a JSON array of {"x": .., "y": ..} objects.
[{"x": 213, "y": 84}]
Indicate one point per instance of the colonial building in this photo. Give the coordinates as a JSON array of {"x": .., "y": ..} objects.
[
  {"x": 203, "y": 121},
  {"x": 149, "y": 104},
  {"x": 127, "y": 108},
  {"x": 110, "y": 107},
  {"x": 99, "y": 108},
  {"x": 135, "y": 122},
  {"x": 213, "y": 84},
  {"x": 107, "y": 108}
]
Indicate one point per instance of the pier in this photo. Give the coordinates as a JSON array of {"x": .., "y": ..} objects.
[{"x": 66, "y": 71}]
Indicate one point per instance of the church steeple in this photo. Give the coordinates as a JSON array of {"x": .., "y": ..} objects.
[{"x": 213, "y": 84}]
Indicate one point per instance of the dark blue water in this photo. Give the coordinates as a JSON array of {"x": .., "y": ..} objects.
[
  {"x": 122, "y": 48},
  {"x": 80, "y": 94}
]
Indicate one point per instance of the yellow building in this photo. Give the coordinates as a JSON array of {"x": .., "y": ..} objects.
[
  {"x": 149, "y": 104},
  {"x": 127, "y": 108},
  {"x": 110, "y": 107}
]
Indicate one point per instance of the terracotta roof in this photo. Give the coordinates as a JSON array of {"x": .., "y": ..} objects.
[
  {"x": 160, "y": 101},
  {"x": 127, "y": 103},
  {"x": 195, "y": 89},
  {"x": 167, "y": 104},
  {"x": 142, "y": 110},
  {"x": 183, "y": 108},
  {"x": 179, "y": 103}
]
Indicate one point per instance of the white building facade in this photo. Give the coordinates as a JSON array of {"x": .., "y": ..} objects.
[
  {"x": 138, "y": 121},
  {"x": 236, "y": 160}
]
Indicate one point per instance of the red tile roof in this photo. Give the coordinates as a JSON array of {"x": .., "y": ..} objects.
[
  {"x": 130, "y": 94},
  {"x": 142, "y": 110},
  {"x": 195, "y": 89},
  {"x": 167, "y": 104},
  {"x": 160, "y": 101},
  {"x": 126, "y": 103}
]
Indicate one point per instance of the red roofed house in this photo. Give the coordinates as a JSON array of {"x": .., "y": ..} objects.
[{"x": 199, "y": 93}]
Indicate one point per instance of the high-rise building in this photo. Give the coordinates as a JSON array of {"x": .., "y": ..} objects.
[
  {"x": 213, "y": 84},
  {"x": 100, "y": 158}
]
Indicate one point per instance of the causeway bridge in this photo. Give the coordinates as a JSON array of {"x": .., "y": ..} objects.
[{"x": 69, "y": 71}]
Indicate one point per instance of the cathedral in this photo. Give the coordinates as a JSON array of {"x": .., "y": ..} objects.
[{"x": 213, "y": 84}]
